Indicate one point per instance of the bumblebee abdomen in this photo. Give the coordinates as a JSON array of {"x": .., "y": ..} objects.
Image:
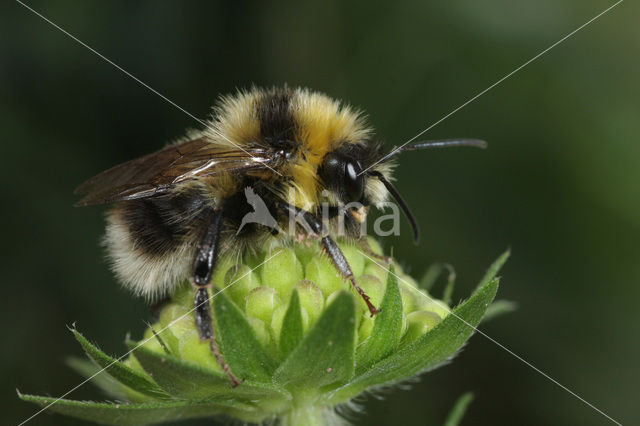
[{"x": 150, "y": 241}]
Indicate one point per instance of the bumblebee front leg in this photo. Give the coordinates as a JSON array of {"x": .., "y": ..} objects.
[
  {"x": 203, "y": 266},
  {"x": 313, "y": 225}
]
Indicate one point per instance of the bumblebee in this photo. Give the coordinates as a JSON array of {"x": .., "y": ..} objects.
[{"x": 178, "y": 210}]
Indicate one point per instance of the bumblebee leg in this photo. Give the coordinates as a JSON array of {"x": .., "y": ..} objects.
[
  {"x": 314, "y": 225},
  {"x": 340, "y": 262},
  {"x": 366, "y": 248},
  {"x": 203, "y": 266}
]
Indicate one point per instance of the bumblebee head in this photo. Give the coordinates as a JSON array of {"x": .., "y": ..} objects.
[
  {"x": 359, "y": 174},
  {"x": 347, "y": 172}
]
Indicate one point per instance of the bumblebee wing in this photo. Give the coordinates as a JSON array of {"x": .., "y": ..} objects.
[{"x": 158, "y": 172}]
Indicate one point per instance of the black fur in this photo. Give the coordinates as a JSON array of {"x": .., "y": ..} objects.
[
  {"x": 236, "y": 207},
  {"x": 367, "y": 152},
  {"x": 277, "y": 124},
  {"x": 160, "y": 223}
]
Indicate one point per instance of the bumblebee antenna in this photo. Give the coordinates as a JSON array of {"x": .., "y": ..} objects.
[
  {"x": 439, "y": 143},
  {"x": 403, "y": 205}
]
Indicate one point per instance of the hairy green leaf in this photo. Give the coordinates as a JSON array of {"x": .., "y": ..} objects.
[
  {"x": 239, "y": 344},
  {"x": 426, "y": 353},
  {"x": 140, "y": 413},
  {"x": 494, "y": 269},
  {"x": 125, "y": 375},
  {"x": 327, "y": 353},
  {"x": 292, "y": 328},
  {"x": 183, "y": 379},
  {"x": 387, "y": 329}
]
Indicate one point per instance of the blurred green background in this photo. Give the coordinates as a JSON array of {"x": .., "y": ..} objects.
[{"x": 558, "y": 184}]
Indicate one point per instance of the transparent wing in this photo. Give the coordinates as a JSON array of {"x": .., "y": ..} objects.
[{"x": 158, "y": 172}]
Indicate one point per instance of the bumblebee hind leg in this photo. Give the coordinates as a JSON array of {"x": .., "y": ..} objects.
[{"x": 203, "y": 265}]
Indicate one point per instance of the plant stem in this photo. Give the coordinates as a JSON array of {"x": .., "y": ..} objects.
[{"x": 307, "y": 415}]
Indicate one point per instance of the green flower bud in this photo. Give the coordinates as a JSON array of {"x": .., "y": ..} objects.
[
  {"x": 261, "y": 302},
  {"x": 224, "y": 264},
  {"x": 306, "y": 252},
  {"x": 151, "y": 342},
  {"x": 438, "y": 307},
  {"x": 300, "y": 353},
  {"x": 419, "y": 323},
  {"x": 240, "y": 280},
  {"x": 374, "y": 245},
  {"x": 365, "y": 329},
  {"x": 377, "y": 270},
  {"x": 374, "y": 289},
  {"x": 355, "y": 259},
  {"x": 320, "y": 271},
  {"x": 311, "y": 299},
  {"x": 282, "y": 271},
  {"x": 409, "y": 296},
  {"x": 261, "y": 330},
  {"x": 191, "y": 348},
  {"x": 174, "y": 321},
  {"x": 254, "y": 259}
]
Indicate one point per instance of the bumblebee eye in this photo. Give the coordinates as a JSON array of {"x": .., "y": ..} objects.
[
  {"x": 353, "y": 180},
  {"x": 343, "y": 175}
]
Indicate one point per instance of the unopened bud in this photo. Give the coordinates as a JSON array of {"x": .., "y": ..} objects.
[
  {"x": 311, "y": 299},
  {"x": 239, "y": 281},
  {"x": 418, "y": 323},
  {"x": 261, "y": 302},
  {"x": 324, "y": 275},
  {"x": 282, "y": 271}
]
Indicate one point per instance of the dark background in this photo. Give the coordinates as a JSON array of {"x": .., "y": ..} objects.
[{"x": 558, "y": 184}]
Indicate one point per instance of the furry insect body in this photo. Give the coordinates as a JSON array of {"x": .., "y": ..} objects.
[
  {"x": 179, "y": 209},
  {"x": 273, "y": 141}
]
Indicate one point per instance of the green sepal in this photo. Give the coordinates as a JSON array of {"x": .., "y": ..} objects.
[
  {"x": 451, "y": 283},
  {"x": 292, "y": 327},
  {"x": 387, "y": 328},
  {"x": 498, "y": 308},
  {"x": 183, "y": 379},
  {"x": 239, "y": 344},
  {"x": 459, "y": 408},
  {"x": 327, "y": 353},
  {"x": 426, "y": 353},
  {"x": 494, "y": 269},
  {"x": 139, "y": 413},
  {"x": 430, "y": 276},
  {"x": 122, "y": 373}
]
